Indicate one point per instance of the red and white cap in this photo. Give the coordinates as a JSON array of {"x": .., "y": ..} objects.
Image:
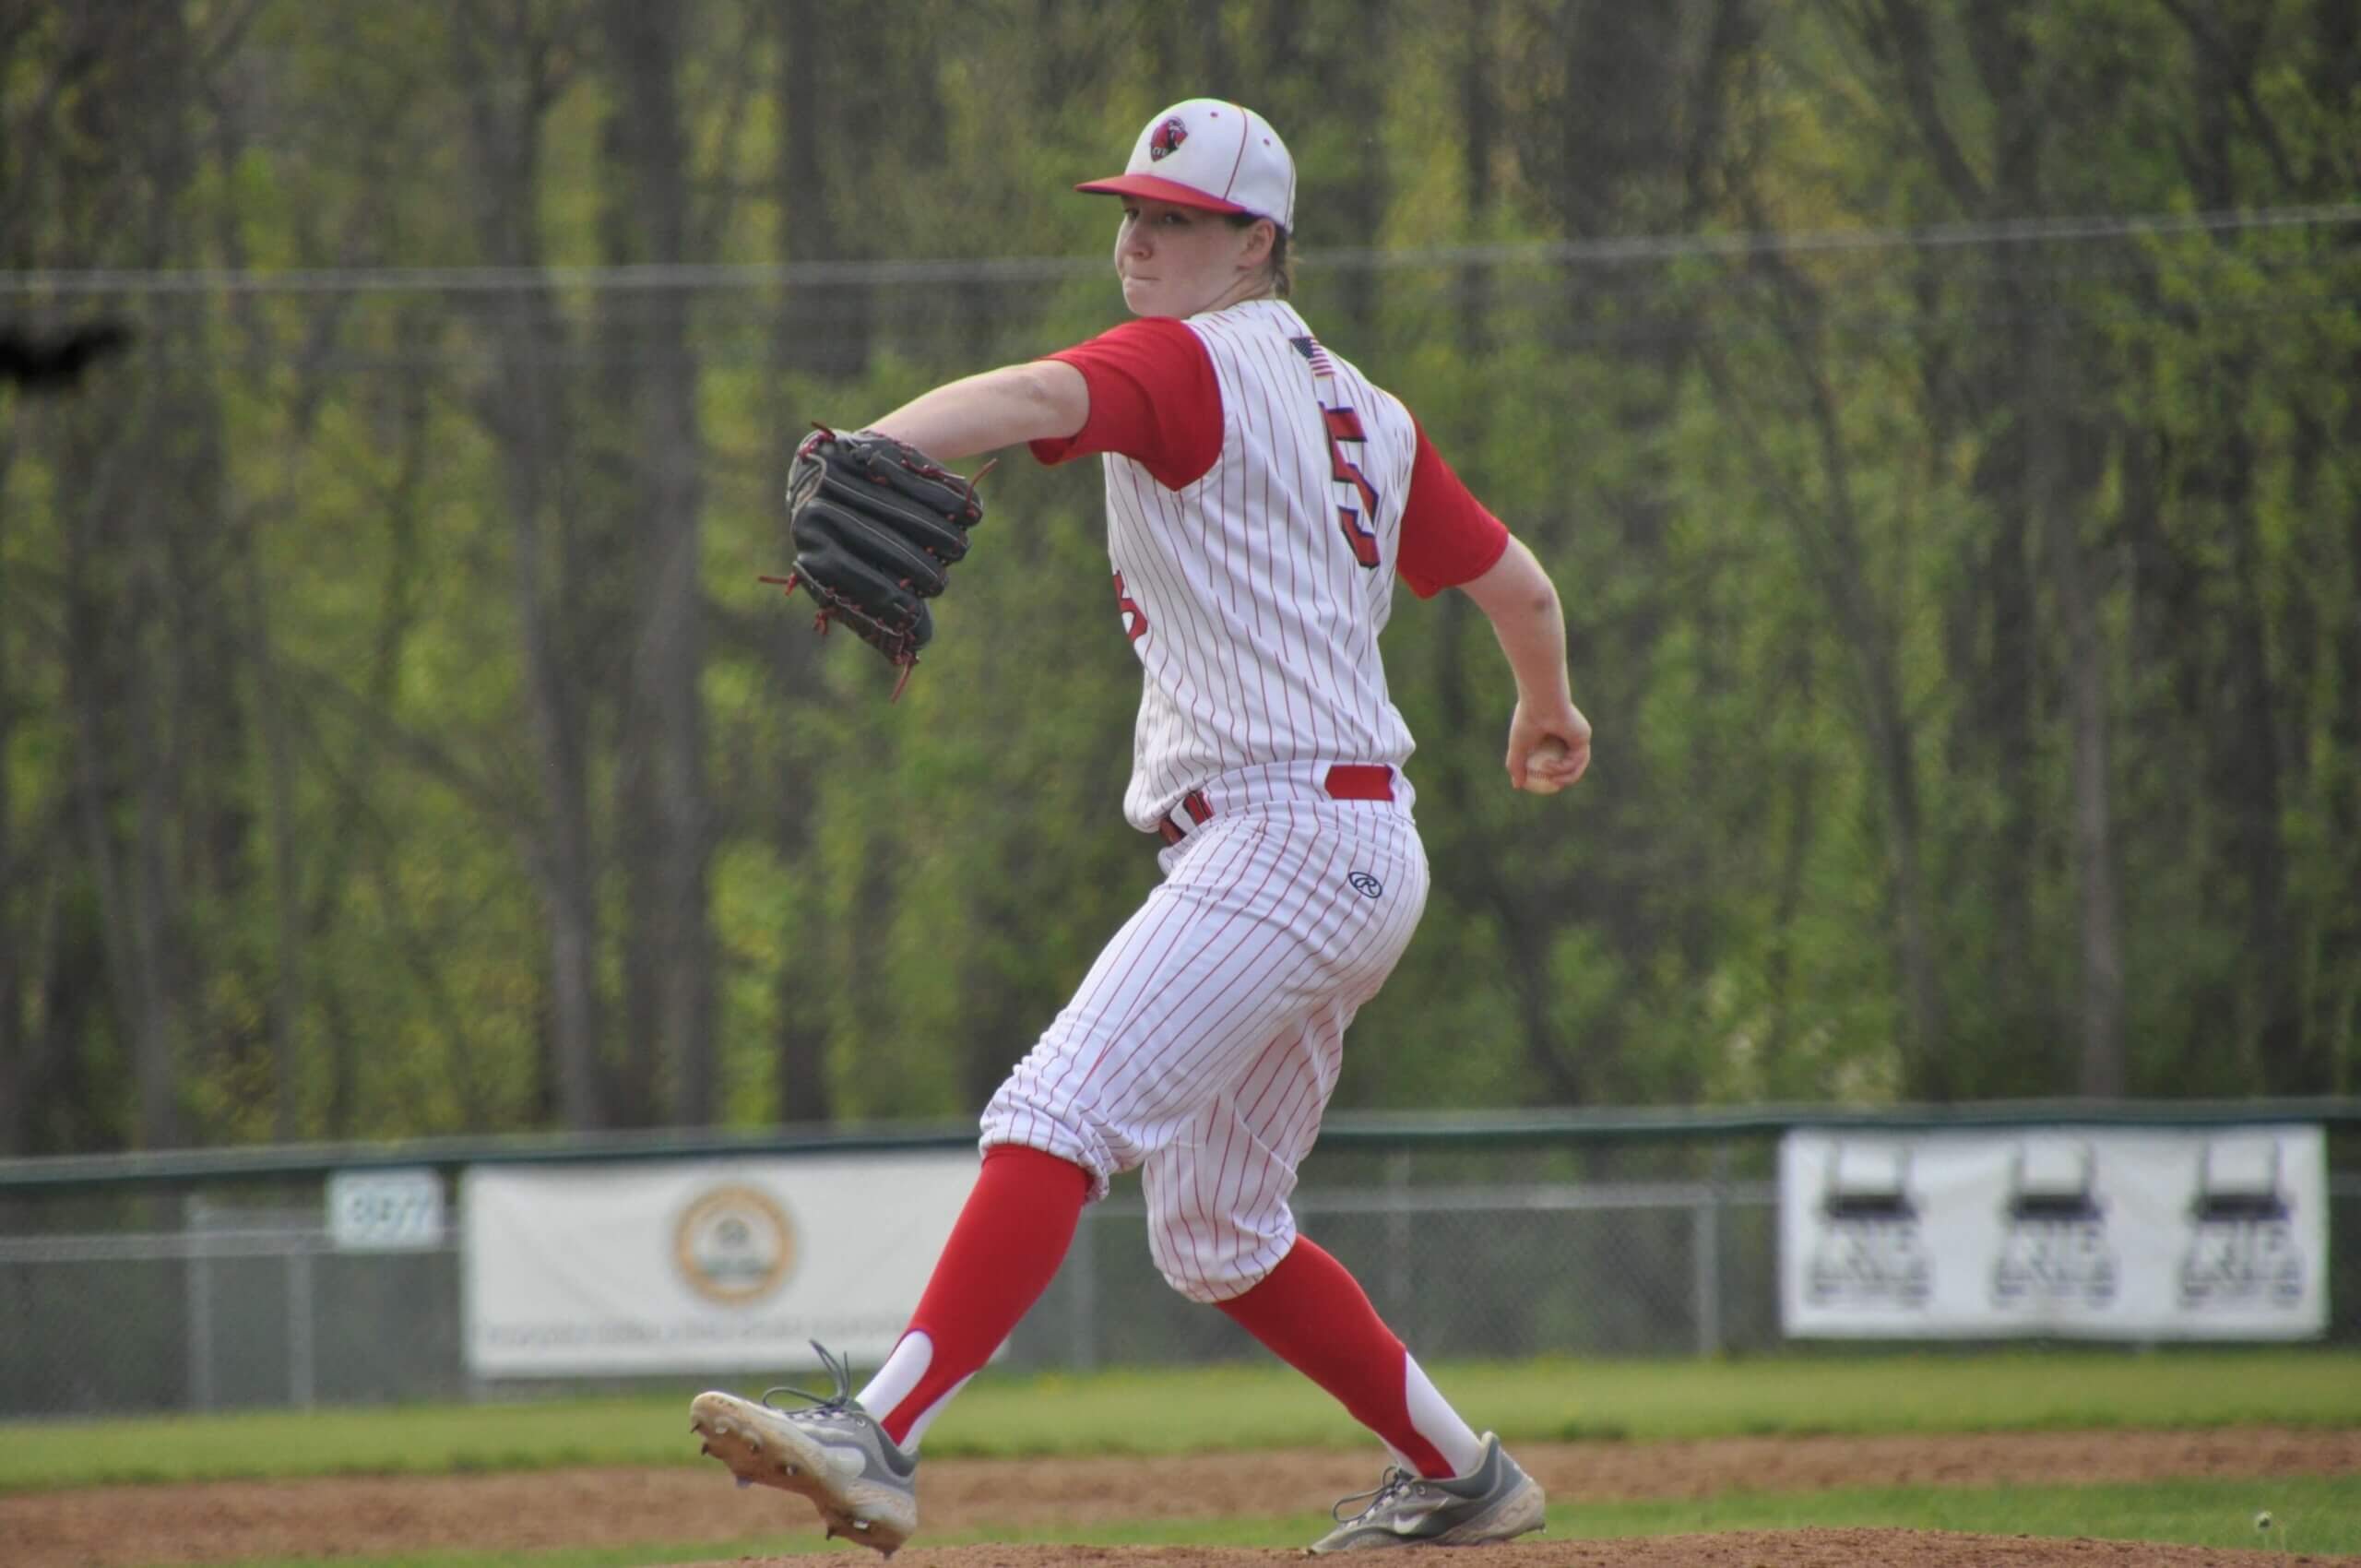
[{"x": 1214, "y": 156}]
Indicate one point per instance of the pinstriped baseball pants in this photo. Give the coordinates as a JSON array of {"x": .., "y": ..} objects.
[{"x": 1204, "y": 1044}]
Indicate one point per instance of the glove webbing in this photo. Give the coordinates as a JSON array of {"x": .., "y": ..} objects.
[{"x": 904, "y": 658}]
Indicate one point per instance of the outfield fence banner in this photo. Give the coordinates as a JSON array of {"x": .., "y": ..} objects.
[
  {"x": 2083, "y": 1232},
  {"x": 700, "y": 1265},
  {"x": 473, "y": 1268}
]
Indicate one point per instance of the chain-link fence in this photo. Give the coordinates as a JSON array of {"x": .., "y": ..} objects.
[{"x": 1604, "y": 1238}]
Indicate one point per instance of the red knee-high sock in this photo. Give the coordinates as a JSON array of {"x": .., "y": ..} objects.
[
  {"x": 1002, "y": 1253},
  {"x": 1313, "y": 1315}
]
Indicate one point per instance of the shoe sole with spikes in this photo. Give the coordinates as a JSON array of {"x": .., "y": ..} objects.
[{"x": 760, "y": 1447}]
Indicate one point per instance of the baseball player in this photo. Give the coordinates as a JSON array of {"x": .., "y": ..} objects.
[{"x": 1261, "y": 497}]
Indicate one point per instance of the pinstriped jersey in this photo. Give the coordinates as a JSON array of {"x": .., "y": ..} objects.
[{"x": 1255, "y": 500}]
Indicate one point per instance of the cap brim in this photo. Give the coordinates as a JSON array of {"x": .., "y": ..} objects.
[{"x": 1156, "y": 188}]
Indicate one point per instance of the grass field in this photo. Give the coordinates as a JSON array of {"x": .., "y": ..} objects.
[
  {"x": 1248, "y": 1407},
  {"x": 1196, "y": 1410}
]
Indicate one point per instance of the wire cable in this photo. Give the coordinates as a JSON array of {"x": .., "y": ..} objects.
[{"x": 1015, "y": 269}]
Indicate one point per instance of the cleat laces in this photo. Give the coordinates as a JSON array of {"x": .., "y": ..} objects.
[
  {"x": 840, "y": 1403},
  {"x": 1393, "y": 1484}
]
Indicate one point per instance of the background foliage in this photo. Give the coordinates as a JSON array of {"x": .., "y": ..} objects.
[{"x": 1964, "y": 578}]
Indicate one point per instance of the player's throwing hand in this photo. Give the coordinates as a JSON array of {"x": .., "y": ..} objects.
[{"x": 1545, "y": 758}]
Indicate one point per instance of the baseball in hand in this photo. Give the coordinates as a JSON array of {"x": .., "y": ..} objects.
[{"x": 1548, "y": 754}]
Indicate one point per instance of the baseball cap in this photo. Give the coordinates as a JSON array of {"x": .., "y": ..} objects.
[{"x": 1214, "y": 156}]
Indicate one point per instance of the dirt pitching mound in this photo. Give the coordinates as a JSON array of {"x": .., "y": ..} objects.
[
  {"x": 1781, "y": 1548},
  {"x": 136, "y": 1527}
]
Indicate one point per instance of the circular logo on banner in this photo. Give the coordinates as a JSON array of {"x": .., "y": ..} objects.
[{"x": 734, "y": 1245}]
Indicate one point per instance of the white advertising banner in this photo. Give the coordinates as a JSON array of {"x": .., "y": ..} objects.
[
  {"x": 2083, "y": 1232},
  {"x": 700, "y": 1266}
]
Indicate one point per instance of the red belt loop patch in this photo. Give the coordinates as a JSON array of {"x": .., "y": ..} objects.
[
  {"x": 1359, "y": 782},
  {"x": 1200, "y": 811},
  {"x": 1346, "y": 781}
]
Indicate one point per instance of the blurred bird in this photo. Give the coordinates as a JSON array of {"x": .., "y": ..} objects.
[{"x": 55, "y": 363}]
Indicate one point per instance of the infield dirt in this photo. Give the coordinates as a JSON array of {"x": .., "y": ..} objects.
[{"x": 133, "y": 1526}]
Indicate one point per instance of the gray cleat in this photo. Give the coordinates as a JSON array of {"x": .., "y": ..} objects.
[
  {"x": 1497, "y": 1501},
  {"x": 834, "y": 1454}
]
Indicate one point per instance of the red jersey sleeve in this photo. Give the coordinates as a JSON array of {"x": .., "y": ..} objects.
[
  {"x": 1153, "y": 398},
  {"x": 1447, "y": 536}
]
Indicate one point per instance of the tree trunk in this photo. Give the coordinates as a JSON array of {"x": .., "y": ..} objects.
[
  {"x": 283, "y": 986},
  {"x": 1479, "y": 123},
  {"x": 2101, "y": 1074},
  {"x": 800, "y": 1038},
  {"x": 15, "y": 917},
  {"x": 828, "y": 325},
  {"x": 1835, "y": 553},
  {"x": 524, "y": 411},
  {"x": 398, "y": 507},
  {"x": 2059, "y": 450},
  {"x": 663, "y": 731},
  {"x": 2247, "y": 759},
  {"x": 803, "y": 1094},
  {"x": 149, "y": 675},
  {"x": 565, "y": 857},
  {"x": 286, "y": 983},
  {"x": 1361, "y": 79}
]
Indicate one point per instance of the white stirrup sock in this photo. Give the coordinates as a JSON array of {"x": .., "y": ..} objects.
[
  {"x": 897, "y": 1377},
  {"x": 1438, "y": 1422},
  {"x": 913, "y": 1353}
]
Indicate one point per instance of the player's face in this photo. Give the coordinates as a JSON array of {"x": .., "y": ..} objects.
[{"x": 1177, "y": 260}]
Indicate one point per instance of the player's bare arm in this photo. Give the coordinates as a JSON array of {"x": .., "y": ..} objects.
[
  {"x": 1549, "y": 737},
  {"x": 1040, "y": 402}
]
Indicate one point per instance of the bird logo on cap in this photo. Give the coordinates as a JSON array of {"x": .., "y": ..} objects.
[{"x": 1167, "y": 138}]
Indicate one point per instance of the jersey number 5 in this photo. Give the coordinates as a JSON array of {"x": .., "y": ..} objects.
[
  {"x": 1345, "y": 425},
  {"x": 1135, "y": 618}
]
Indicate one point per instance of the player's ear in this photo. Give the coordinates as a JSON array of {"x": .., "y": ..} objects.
[{"x": 1261, "y": 235}]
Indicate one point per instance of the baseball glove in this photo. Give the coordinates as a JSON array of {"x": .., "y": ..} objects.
[{"x": 877, "y": 524}]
